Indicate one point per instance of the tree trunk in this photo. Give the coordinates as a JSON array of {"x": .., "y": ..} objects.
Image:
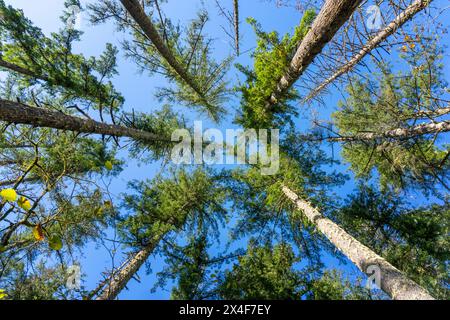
[
  {"x": 392, "y": 280},
  {"x": 236, "y": 25},
  {"x": 331, "y": 17},
  {"x": 141, "y": 18},
  {"x": 400, "y": 20},
  {"x": 19, "y": 69},
  {"x": 15, "y": 112},
  {"x": 120, "y": 279},
  {"x": 399, "y": 133}
]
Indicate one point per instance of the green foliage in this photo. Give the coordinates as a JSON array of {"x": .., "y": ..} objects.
[
  {"x": 414, "y": 240},
  {"x": 396, "y": 100},
  {"x": 192, "y": 50},
  {"x": 189, "y": 200},
  {"x": 332, "y": 286},
  {"x": 272, "y": 57},
  {"x": 264, "y": 273},
  {"x": 51, "y": 59}
]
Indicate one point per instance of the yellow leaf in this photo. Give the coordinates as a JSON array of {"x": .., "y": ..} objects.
[
  {"x": 412, "y": 45},
  {"x": 8, "y": 194},
  {"x": 108, "y": 165},
  {"x": 55, "y": 243},
  {"x": 3, "y": 295},
  {"x": 38, "y": 233},
  {"x": 24, "y": 203},
  {"x": 405, "y": 49},
  {"x": 107, "y": 204}
]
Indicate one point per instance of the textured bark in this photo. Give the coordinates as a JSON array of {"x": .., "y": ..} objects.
[
  {"x": 400, "y": 20},
  {"x": 432, "y": 114},
  {"x": 140, "y": 17},
  {"x": 392, "y": 280},
  {"x": 400, "y": 133},
  {"x": 120, "y": 279},
  {"x": 331, "y": 17},
  {"x": 236, "y": 25},
  {"x": 19, "y": 69},
  {"x": 15, "y": 112}
]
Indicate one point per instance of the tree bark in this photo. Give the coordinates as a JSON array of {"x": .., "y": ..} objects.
[
  {"x": 19, "y": 69},
  {"x": 331, "y": 17},
  {"x": 15, "y": 112},
  {"x": 392, "y": 280},
  {"x": 399, "y": 133},
  {"x": 140, "y": 17},
  {"x": 400, "y": 20},
  {"x": 120, "y": 279}
]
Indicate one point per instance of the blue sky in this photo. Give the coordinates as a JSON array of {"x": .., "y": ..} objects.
[{"x": 139, "y": 91}]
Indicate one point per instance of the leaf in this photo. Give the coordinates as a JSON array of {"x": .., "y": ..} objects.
[
  {"x": 107, "y": 204},
  {"x": 55, "y": 243},
  {"x": 8, "y": 194},
  {"x": 108, "y": 165},
  {"x": 2, "y": 248},
  {"x": 24, "y": 203},
  {"x": 3, "y": 295},
  {"x": 38, "y": 233}
]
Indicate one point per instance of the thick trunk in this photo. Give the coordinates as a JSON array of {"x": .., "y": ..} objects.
[
  {"x": 331, "y": 17},
  {"x": 392, "y": 280},
  {"x": 15, "y": 112},
  {"x": 400, "y": 20},
  {"x": 400, "y": 133},
  {"x": 120, "y": 279},
  {"x": 140, "y": 17}
]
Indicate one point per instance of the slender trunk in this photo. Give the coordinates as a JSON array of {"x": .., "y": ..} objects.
[
  {"x": 120, "y": 279},
  {"x": 331, "y": 17},
  {"x": 236, "y": 25},
  {"x": 400, "y": 20},
  {"x": 15, "y": 112},
  {"x": 392, "y": 280},
  {"x": 12, "y": 182},
  {"x": 399, "y": 133},
  {"x": 141, "y": 18}
]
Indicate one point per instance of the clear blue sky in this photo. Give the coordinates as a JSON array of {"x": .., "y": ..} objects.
[{"x": 139, "y": 93}]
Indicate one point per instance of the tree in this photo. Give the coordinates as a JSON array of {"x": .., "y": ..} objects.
[{"x": 184, "y": 200}]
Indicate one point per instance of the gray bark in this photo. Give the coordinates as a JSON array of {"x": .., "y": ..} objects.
[
  {"x": 120, "y": 279},
  {"x": 15, "y": 112},
  {"x": 399, "y": 133},
  {"x": 331, "y": 17},
  {"x": 400, "y": 20},
  {"x": 392, "y": 280}
]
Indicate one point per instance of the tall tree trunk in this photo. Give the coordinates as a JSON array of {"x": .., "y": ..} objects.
[
  {"x": 400, "y": 20},
  {"x": 120, "y": 279},
  {"x": 399, "y": 133},
  {"x": 144, "y": 22},
  {"x": 331, "y": 17},
  {"x": 15, "y": 112},
  {"x": 392, "y": 280}
]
